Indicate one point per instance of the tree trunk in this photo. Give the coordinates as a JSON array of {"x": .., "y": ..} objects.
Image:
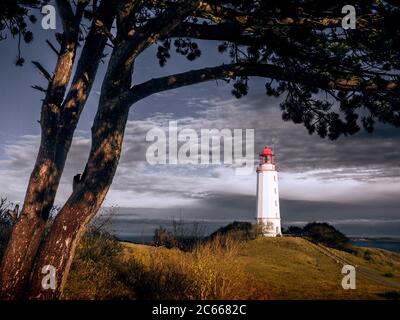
[
  {"x": 28, "y": 231},
  {"x": 14, "y": 276},
  {"x": 60, "y": 244},
  {"x": 57, "y": 134}
]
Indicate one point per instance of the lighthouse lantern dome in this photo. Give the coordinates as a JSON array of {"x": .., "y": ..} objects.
[{"x": 266, "y": 155}]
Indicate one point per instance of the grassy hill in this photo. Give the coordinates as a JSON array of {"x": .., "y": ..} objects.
[
  {"x": 265, "y": 268},
  {"x": 293, "y": 268}
]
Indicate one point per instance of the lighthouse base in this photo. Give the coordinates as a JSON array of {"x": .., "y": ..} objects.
[{"x": 269, "y": 227}]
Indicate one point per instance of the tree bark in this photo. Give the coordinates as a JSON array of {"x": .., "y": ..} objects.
[
  {"x": 27, "y": 232},
  {"x": 107, "y": 135},
  {"x": 59, "y": 246},
  {"x": 59, "y": 120}
]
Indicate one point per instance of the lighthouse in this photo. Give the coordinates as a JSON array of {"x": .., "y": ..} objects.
[{"x": 268, "y": 213}]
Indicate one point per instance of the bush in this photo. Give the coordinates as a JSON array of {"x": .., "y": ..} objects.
[
  {"x": 238, "y": 230},
  {"x": 367, "y": 255},
  {"x": 294, "y": 231},
  {"x": 328, "y": 235},
  {"x": 96, "y": 270},
  {"x": 164, "y": 238},
  {"x": 184, "y": 237},
  {"x": 188, "y": 238}
]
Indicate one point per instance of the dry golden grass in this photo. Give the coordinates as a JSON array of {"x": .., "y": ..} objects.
[
  {"x": 210, "y": 271},
  {"x": 264, "y": 268}
]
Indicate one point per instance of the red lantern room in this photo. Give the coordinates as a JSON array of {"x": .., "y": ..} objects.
[{"x": 267, "y": 156}]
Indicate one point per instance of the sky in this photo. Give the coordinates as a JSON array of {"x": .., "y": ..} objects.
[{"x": 352, "y": 182}]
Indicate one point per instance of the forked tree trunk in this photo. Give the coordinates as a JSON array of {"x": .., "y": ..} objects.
[
  {"x": 70, "y": 223},
  {"x": 107, "y": 135},
  {"x": 56, "y": 140}
]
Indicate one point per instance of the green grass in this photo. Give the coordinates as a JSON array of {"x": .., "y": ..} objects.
[
  {"x": 274, "y": 268},
  {"x": 292, "y": 268}
]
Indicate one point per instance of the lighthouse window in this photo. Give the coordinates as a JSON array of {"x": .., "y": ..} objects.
[
  {"x": 276, "y": 203},
  {"x": 275, "y": 190},
  {"x": 274, "y": 178}
]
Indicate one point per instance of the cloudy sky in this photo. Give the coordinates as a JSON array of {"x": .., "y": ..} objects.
[{"x": 353, "y": 182}]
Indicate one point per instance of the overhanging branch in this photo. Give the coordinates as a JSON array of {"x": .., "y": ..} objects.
[{"x": 232, "y": 71}]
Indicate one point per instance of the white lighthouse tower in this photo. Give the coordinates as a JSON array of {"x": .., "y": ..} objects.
[{"x": 268, "y": 213}]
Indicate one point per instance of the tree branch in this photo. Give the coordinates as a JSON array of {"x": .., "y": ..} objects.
[
  {"x": 118, "y": 75},
  {"x": 42, "y": 70},
  {"x": 231, "y": 71},
  {"x": 39, "y": 88},
  {"x": 53, "y": 47}
]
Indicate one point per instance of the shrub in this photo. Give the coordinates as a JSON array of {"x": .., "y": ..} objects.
[
  {"x": 328, "y": 235},
  {"x": 181, "y": 236},
  {"x": 294, "y": 231},
  {"x": 95, "y": 271},
  {"x": 367, "y": 255},
  {"x": 238, "y": 230},
  {"x": 165, "y": 238}
]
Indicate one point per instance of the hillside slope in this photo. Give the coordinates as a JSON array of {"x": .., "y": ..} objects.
[
  {"x": 294, "y": 268},
  {"x": 265, "y": 268}
]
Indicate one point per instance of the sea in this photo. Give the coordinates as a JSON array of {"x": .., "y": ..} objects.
[{"x": 391, "y": 244}]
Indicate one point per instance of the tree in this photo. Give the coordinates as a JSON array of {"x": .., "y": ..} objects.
[
  {"x": 294, "y": 231},
  {"x": 14, "y": 18},
  {"x": 334, "y": 81},
  {"x": 327, "y": 234}
]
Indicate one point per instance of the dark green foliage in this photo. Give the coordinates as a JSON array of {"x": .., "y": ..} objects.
[
  {"x": 96, "y": 272},
  {"x": 357, "y": 70},
  {"x": 99, "y": 245},
  {"x": 163, "y": 237},
  {"x": 294, "y": 231},
  {"x": 333, "y": 81},
  {"x": 327, "y": 234},
  {"x": 237, "y": 229},
  {"x": 188, "y": 237},
  {"x": 182, "y": 236}
]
